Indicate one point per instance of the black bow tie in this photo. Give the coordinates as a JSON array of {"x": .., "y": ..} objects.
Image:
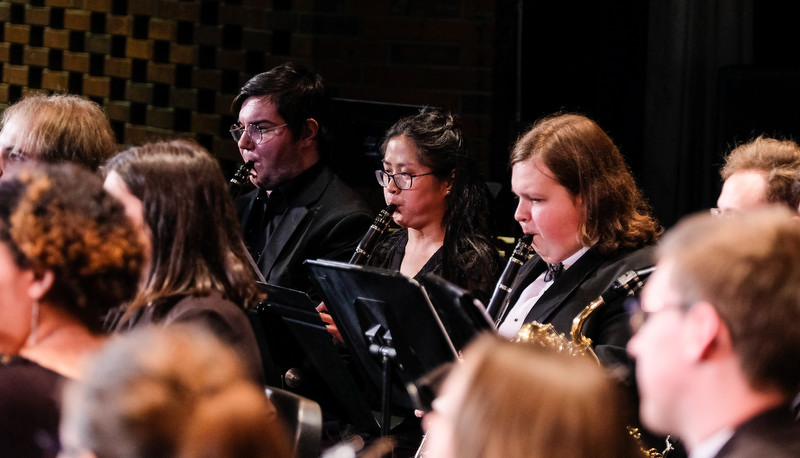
[{"x": 553, "y": 271}]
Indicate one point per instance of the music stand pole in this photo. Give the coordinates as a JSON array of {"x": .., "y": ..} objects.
[{"x": 381, "y": 345}]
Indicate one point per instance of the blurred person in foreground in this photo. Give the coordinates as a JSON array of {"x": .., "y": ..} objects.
[
  {"x": 68, "y": 255},
  {"x": 548, "y": 404},
  {"x": 176, "y": 392},
  {"x": 718, "y": 339}
]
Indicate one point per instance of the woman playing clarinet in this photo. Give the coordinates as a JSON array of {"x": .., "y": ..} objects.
[{"x": 441, "y": 205}]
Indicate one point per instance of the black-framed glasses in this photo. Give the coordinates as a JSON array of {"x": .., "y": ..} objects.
[
  {"x": 256, "y": 133},
  {"x": 402, "y": 180},
  {"x": 638, "y": 316}
]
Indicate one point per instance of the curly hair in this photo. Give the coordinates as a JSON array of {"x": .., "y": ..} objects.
[
  {"x": 58, "y": 218},
  {"x": 194, "y": 234},
  {"x": 586, "y": 161},
  {"x": 470, "y": 256},
  {"x": 778, "y": 160}
]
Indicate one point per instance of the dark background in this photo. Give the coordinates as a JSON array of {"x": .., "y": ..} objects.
[{"x": 675, "y": 83}]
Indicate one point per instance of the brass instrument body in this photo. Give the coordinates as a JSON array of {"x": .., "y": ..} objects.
[
  {"x": 626, "y": 284},
  {"x": 578, "y": 344}
]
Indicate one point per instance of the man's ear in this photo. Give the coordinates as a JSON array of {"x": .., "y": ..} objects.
[
  {"x": 707, "y": 334},
  {"x": 41, "y": 285},
  {"x": 310, "y": 129}
]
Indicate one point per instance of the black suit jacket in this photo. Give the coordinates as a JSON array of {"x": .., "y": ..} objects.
[
  {"x": 324, "y": 220},
  {"x": 576, "y": 288},
  {"x": 771, "y": 434}
]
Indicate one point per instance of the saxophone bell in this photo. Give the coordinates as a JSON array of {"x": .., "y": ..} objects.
[{"x": 578, "y": 344}]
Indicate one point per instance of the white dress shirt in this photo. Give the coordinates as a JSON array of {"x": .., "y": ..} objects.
[{"x": 527, "y": 299}]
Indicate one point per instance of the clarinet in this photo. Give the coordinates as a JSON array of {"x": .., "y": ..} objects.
[
  {"x": 367, "y": 244},
  {"x": 503, "y": 288},
  {"x": 239, "y": 179},
  {"x": 235, "y": 186}
]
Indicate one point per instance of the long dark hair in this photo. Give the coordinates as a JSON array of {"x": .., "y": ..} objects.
[
  {"x": 196, "y": 241},
  {"x": 470, "y": 256}
]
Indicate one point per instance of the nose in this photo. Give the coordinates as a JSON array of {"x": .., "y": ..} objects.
[
  {"x": 392, "y": 187},
  {"x": 521, "y": 214},
  {"x": 245, "y": 142}
]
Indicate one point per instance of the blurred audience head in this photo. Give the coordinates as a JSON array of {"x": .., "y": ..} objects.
[
  {"x": 56, "y": 128},
  {"x": 170, "y": 393},
  {"x": 522, "y": 400},
  {"x": 67, "y": 245},
  {"x": 721, "y": 341}
]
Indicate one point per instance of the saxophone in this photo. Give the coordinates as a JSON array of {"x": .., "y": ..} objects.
[
  {"x": 578, "y": 344},
  {"x": 626, "y": 284}
]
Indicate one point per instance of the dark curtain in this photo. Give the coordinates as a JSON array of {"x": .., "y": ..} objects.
[{"x": 688, "y": 43}]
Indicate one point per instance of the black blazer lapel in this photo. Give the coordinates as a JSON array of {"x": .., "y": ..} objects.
[
  {"x": 527, "y": 274},
  {"x": 564, "y": 287},
  {"x": 278, "y": 242},
  {"x": 277, "y": 250}
]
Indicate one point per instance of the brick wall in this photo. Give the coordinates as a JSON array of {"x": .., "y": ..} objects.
[{"x": 164, "y": 68}]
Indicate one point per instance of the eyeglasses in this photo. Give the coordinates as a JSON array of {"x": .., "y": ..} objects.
[
  {"x": 722, "y": 212},
  {"x": 256, "y": 133},
  {"x": 402, "y": 180},
  {"x": 13, "y": 155},
  {"x": 638, "y": 316}
]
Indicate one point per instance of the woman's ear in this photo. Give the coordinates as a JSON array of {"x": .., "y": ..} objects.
[
  {"x": 450, "y": 180},
  {"x": 41, "y": 285}
]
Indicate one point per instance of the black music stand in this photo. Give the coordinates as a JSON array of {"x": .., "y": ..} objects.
[
  {"x": 386, "y": 312},
  {"x": 463, "y": 316},
  {"x": 300, "y": 356}
]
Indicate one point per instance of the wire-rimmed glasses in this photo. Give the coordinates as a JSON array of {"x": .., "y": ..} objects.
[{"x": 256, "y": 133}]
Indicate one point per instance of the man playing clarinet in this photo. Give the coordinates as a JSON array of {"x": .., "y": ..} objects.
[{"x": 300, "y": 209}]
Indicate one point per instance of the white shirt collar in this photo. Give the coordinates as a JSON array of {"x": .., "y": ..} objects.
[
  {"x": 711, "y": 446},
  {"x": 574, "y": 258}
]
